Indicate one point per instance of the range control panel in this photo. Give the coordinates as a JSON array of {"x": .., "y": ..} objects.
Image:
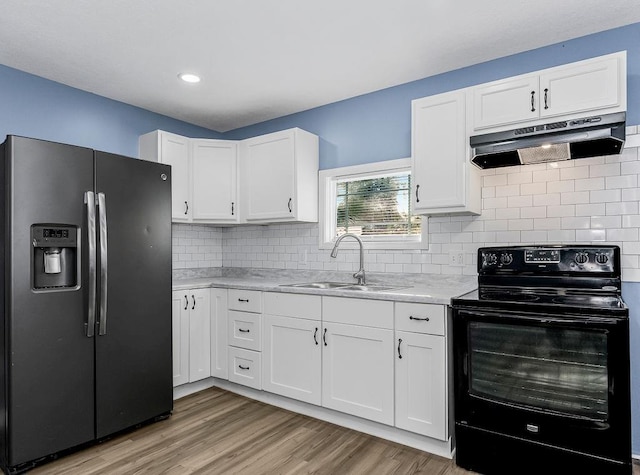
[{"x": 551, "y": 259}]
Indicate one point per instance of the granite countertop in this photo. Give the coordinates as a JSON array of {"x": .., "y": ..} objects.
[{"x": 418, "y": 288}]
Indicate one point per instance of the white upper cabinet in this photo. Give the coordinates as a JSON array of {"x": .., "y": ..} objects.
[
  {"x": 279, "y": 176},
  {"x": 444, "y": 181},
  {"x": 215, "y": 180},
  {"x": 204, "y": 176},
  {"x": 597, "y": 84},
  {"x": 172, "y": 149}
]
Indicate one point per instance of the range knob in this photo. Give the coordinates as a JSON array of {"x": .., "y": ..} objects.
[
  {"x": 506, "y": 259},
  {"x": 602, "y": 258},
  {"x": 490, "y": 259},
  {"x": 581, "y": 257}
]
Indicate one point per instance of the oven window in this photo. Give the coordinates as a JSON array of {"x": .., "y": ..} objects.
[{"x": 550, "y": 368}]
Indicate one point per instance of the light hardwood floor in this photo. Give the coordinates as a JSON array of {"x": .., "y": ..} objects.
[{"x": 218, "y": 432}]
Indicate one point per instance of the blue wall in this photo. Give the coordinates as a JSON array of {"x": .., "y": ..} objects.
[
  {"x": 368, "y": 128},
  {"x": 35, "y": 107},
  {"x": 377, "y": 126}
]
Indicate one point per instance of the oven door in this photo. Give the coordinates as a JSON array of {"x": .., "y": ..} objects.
[{"x": 561, "y": 380}]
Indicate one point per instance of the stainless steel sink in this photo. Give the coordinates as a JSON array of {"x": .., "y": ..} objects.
[
  {"x": 319, "y": 285},
  {"x": 343, "y": 286}
]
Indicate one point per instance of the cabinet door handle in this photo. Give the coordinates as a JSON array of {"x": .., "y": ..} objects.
[
  {"x": 232, "y": 210},
  {"x": 186, "y": 208},
  {"x": 417, "y": 193},
  {"x": 324, "y": 337},
  {"x": 289, "y": 205},
  {"x": 533, "y": 101},
  {"x": 243, "y": 367},
  {"x": 315, "y": 336},
  {"x": 186, "y": 302},
  {"x": 194, "y": 302},
  {"x": 242, "y": 330},
  {"x": 243, "y": 300},
  {"x": 546, "y": 92},
  {"x": 399, "y": 343},
  {"x": 425, "y": 319}
]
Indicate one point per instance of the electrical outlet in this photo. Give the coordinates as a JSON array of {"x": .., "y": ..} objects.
[{"x": 456, "y": 258}]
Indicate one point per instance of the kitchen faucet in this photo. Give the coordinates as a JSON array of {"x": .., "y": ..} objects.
[{"x": 334, "y": 252}]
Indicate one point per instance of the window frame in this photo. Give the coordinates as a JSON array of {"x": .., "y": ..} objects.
[{"x": 328, "y": 208}]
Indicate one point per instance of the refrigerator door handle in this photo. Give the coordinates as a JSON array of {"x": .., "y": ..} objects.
[
  {"x": 102, "y": 214},
  {"x": 90, "y": 325}
]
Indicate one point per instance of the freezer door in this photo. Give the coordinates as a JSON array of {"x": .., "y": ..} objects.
[
  {"x": 48, "y": 359},
  {"x": 133, "y": 342}
]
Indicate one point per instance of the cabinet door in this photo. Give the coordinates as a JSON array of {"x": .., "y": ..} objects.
[
  {"x": 199, "y": 335},
  {"x": 292, "y": 358},
  {"x": 439, "y": 156},
  {"x": 219, "y": 367},
  {"x": 588, "y": 86},
  {"x": 357, "y": 371},
  {"x": 420, "y": 389},
  {"x": 174, "y": 151},
  {"x": 214, "y": 172},
  {"x": 269, "y": 171},
  {"x": 505, "y": 102},
  {"x": 180, "y": 335}
]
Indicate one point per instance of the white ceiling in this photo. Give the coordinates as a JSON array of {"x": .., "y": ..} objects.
[{"x": 261, "y": 59}]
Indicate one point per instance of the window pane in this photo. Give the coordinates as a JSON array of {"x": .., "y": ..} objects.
[{"x": 378, "y": 206}]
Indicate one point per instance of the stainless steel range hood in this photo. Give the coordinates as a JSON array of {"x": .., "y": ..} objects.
[{"x": 563, "y": 140}]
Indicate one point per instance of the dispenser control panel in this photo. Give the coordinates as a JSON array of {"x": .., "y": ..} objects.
[{"x": 49, "y": 236}]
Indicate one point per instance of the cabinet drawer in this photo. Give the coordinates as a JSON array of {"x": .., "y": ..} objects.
[
  {"x": 363, "y": 312},
  {"x": 245, "y": 330},
  {"x": 420, "y": 318},
  {"x": 245, "y": 300},
  {"x": 293, "y": 305},
  {"x": 245, "y": 367}
]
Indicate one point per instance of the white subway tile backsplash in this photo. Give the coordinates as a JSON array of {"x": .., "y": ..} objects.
[
  {"x": 590, "y": 209},
  {"x": 549, "y": 199},
  {"x": 631, "y": 194},
  {"x": 610, "y": 169},
  {"x": 561, "y": 211},
  {"x": 622, "y": 181},
  {"x": 533, "y": 188},
  {"x": 494, "y": 180},
  {"x": 582, "y": 222},
  {"x": 589, "y": 184},
  {"x": 560, "y": 186},
  {"x": 515, "y": 202},
  {"x": 533, "y": 212},
  {"x": 622, "y": 208},
  {"x": 576, "y": 197},
  {"x": 508, "y": 213},
  {"x": 508, "y": 190},
  {"x": 574, "y": 173},
  {"x": 605, "y": 196},
  {"x": 520, "y": 177}
]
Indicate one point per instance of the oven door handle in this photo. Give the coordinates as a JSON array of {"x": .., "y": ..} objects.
[{"x": 582, "y": 319}]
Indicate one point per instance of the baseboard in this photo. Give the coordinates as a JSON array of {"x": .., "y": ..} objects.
[{"x": 191, "y": 388}]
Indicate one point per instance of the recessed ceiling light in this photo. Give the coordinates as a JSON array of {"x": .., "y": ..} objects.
[{"x": 188, "y": 77}]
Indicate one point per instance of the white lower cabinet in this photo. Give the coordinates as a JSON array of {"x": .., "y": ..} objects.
[
  {"x": 357, "y": 366},
  {"x": 420, "y": 384},
  {"x": 219, "y": 315},
  {"x": 244, "y": 337},
  {"x": 191, "y": 330},
  {"x": 292, "y": 352}
]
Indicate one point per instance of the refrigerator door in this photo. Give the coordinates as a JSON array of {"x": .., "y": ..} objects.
[
  {"x": 48, "y": 359},
  {"x": 133, "y": 341}
]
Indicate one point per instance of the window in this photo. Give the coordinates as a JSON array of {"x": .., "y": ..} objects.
[{"x": 372, "y": 201}]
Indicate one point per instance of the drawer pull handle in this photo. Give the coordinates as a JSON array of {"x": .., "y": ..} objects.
[
  {"x": 324, "y": 337},
  {"x": 243, "y": 330},
  {"x": 533, "y": 101},
  {"x": 315, "y": 336},
  {"x": 194, "y": 302},
  {"x": 186, "y": 302},
  {"x": 425, "y": 319},
  {"x": 399, "y": 343},
  {"x": 546, "y": 99},
  {"x": 243, "y": 367},
  {"x": 243, "y": 300}
]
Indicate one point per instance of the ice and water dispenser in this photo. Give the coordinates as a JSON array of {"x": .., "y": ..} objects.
[{"x": 55, "y": 256}]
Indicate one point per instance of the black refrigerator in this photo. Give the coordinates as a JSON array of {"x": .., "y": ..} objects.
[{"x": 86, "y": 297}]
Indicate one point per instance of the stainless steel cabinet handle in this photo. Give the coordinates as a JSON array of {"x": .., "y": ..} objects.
[
  {"x": 425, "y": 319},
  {"x": 243, "y": 367},
  {"x": 417, "y": 194},
  {"x": 399, "y": 343},
  {"x": 186, "y": 302},
  {"x": 243, "y": 300},
  {"x": 533, "y": 101},
  {"x": 289, "y": 205},
  {"x": 324, "y": 337},
  {"x": 546, "y": 93},
  {"x": 242, "y": 330},
  {"x": 186, "y": 208},
  {"x": 315, "y": 336},
  {"x": 194, "y": 302},
  {"x": 232, "y": 205},
  {"x": 102, "y": 224},
  {"x": 89, "y": 199}
]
